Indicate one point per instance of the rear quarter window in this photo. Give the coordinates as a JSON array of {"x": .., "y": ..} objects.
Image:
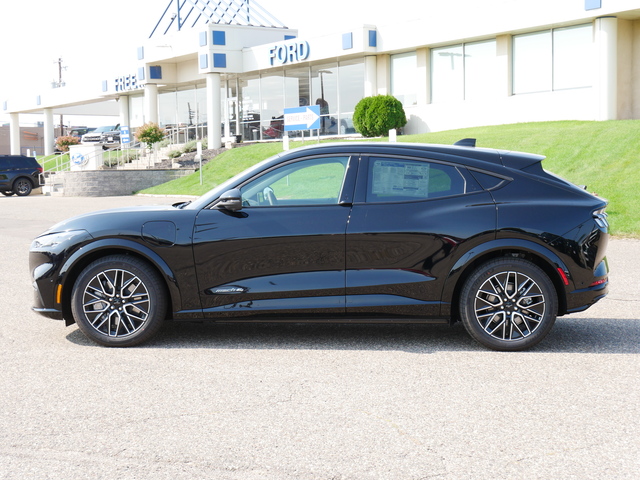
[{"x": 487, "y": 181}]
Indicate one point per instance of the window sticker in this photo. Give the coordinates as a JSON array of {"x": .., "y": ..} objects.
[{"x": 400, "y": 178}]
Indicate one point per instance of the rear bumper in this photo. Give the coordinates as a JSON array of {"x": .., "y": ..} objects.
[{"x": 583, "y": 298}]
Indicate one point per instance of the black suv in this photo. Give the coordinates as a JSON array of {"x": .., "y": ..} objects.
[
  {"x": 19, "y": 174},
  {"x": 342, "y": 232}
]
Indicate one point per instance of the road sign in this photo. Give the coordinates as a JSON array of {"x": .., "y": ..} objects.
[
  {"x": 302, "y": 118},
  {"x": 124, "y": 135}
]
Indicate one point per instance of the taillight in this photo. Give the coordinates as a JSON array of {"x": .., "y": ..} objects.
[
  {"x": 600, "y": 217},
  {"x": 40, "y": 169},
  {"x": 599, "y": 282}
]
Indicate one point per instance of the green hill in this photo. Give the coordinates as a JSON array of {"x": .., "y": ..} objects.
[{"x": 601, "y": 155}]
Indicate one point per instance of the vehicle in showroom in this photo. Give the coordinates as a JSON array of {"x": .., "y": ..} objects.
[
  {"x": 95, "y": 136},
  {"x": 342, "y": 232},
  {"x": 19, "y": 175}
]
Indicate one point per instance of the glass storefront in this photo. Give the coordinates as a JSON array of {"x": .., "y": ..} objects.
[
  {"x": 335, "y": 87},
  {"x": 255, "y": 104},
  {"x": 182, "y": 113}
]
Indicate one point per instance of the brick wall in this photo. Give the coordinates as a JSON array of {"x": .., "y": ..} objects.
[{"x": 103, "y": 183}]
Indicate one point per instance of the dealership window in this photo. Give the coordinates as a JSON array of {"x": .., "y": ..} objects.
[
  {"x": 324, "y": 92},
  {"x": 335, "y": 88},
  {"x": 556, "y": 59},
  {"x": 182, "y": 112},
  {"x": 351, "y": 91},
  {"x": 463, "y": 72},
  {"x": 249, "y": 93},
  {"x": 296, "y": 88},
  {"x": 480, "y": 70},
  {"x": 404, "y": 85},
  {"x": 272, "y": 105},
  {"x": 136, "y": 111}
]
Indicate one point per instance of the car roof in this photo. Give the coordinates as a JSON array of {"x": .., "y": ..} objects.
[{"x": 461, "y": 153}]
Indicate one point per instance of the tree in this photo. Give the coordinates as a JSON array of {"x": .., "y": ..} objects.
[
  {"x": 375, "y": 116},
  {"x": 150, "y": 133}
]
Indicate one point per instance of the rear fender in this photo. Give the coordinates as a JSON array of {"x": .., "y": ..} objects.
[{"x": 479, "y": 254}]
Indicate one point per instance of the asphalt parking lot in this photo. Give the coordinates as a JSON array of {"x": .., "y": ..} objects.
[{"x": 312, "y": 402}]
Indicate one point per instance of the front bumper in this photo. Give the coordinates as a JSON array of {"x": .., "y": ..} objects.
[{"x": 40, "y": 307}]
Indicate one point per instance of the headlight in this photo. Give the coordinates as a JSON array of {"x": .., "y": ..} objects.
[{"x": 54, "y": 241}]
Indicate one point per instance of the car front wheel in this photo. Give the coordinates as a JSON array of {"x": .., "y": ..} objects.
[
  {"x": 508, "y": 304},
  {"x": 119, "y": 301}
]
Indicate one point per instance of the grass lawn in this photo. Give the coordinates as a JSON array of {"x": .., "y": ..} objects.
[{"x": 601, "y": 155}]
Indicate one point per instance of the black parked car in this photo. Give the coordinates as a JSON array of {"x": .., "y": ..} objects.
[
  {"x": 19, "y": 174},
  {"x": 345, "y": 232}
]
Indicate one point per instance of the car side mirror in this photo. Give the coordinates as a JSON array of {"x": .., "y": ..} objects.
[{"x": 231, "y": 200}]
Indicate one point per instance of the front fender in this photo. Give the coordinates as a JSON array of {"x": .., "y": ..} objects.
[{"x": 87, "y": 253}]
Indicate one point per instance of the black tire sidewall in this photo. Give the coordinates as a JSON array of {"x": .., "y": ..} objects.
[
  {"x": 491, "y": 268},
  {"x": 16, "y": 187},
  {"x": 153, "y": 284}
]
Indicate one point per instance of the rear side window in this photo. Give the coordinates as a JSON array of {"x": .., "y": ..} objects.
[
  {"x": 12, "y": 161},
  {"x": 397, "y": 180}
]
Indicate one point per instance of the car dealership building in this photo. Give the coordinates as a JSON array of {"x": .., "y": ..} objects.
[{"x": 228, "y": 69}]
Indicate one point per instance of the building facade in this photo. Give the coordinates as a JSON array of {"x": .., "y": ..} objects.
[{"x": 504, "y": 62}]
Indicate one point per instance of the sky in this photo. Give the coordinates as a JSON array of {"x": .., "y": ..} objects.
[{"x": 94, "y": 39}]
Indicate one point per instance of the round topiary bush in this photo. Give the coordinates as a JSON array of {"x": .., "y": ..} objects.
[{"x": 375, "y": 116}]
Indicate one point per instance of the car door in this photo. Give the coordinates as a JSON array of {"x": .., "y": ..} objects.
[
  {"x": 4, "y": 173},
  {"x": 283, "y": 253},
  {"x": 410, "y": 218}
]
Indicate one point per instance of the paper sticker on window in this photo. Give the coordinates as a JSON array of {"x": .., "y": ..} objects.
[{"x": 400, "y": 178}]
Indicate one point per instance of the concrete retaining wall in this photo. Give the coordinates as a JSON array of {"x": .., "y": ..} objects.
[{"x": 105, "y": 183}]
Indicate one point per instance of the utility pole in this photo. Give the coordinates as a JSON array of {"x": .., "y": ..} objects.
[{"x": 59, "y": 84}]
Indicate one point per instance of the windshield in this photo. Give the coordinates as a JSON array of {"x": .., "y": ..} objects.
[{"x": 108, "y": 128}]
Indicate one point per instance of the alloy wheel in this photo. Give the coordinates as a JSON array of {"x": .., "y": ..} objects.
[
  {"x": 509, "y": 306},
  {"x": 116, "y": 303}
]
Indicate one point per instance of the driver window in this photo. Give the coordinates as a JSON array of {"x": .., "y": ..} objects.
[{"x": 316, "y": 181}]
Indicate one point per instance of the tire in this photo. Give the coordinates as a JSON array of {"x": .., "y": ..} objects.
[
  {"x": 22, "y": 187},
  {"x": 7, "y": 193},
  {"x": 504, "y": 318},
  {"x": 109, "y": 311}
]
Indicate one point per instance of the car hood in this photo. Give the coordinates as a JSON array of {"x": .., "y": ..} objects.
[{"x": 123, "y": 218}]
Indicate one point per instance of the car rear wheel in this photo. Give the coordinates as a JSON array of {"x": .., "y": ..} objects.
[
  {"x": 22, "y": 187},
  {"x": 8, "y": 193},
  {"x": 508, "y": 304},
  {"x": 119, "y": 301}
]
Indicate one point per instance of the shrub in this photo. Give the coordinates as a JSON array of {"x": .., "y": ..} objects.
[
  {"x": 375, "y": 116},
  {"x": 115, "y": 159},
  {"x": 192, "y": 145},
  {"x": 150, "y": 133},
  {"x": 63, "y": 142}
]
